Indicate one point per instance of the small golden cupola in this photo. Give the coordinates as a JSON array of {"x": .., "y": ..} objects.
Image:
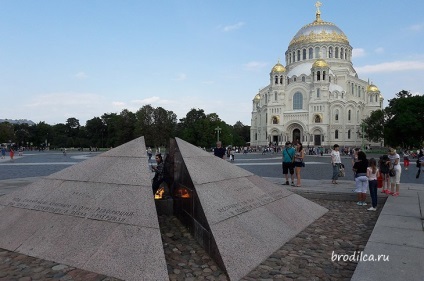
[
  {"x": 320, "y": 63},
  {"x": 372, "y": 89},
  {"x": 278, "y": 67}
]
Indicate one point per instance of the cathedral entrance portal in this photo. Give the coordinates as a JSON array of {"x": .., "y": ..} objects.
[
  {"x": 296, "y": 135},
  {"x": 317, "y": 140}
]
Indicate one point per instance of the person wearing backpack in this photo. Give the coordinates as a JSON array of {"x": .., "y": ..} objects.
[{"x": 384, "y": 164}]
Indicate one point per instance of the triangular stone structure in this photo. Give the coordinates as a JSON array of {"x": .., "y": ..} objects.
[
  {"x": 240, "y": 218},
  {"x": 98, "y": 215}
]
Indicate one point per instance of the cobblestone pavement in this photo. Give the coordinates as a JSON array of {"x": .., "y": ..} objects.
[{"x": 343, "y": 230}]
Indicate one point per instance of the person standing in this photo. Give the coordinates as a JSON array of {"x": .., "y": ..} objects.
[
  {"x": 406, "y": 155},
  {"x": 11, "y": 153},
  {"x": 159, "y": 176},
  {"x": 395, "y": 165},
  {"x": 361, "y": 180},
  {"x": 336, "y": 162},
  {"x": 372, "y": 175},
  {"x": 298, "y": 162},
  {"x": 149, "y": 153},
  {"x": 219, "y": 151},
  {"x": 384, "y": 164},
  {"x": 3, "y": 152},
  {"x": 288, "y": 165}
]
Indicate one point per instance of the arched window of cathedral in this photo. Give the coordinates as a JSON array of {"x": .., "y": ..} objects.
[
  {"x": 276, "y": 79},
  {"x": 359, "y": 91},
  {"x": 304, "y": 54},
  {"x": 288, "y": 80},
  {"x": 323, "y": 75},
  {"x": 342, "y": 95},
  {"x": 324, "y": 53},
  {"x": 294, "y": 79},
  {"x": 317, "y": 53},
  {"x": 311, "y": 53},
  {"x": 298, "y": 55},
  {"x": 330, "y": 52},
  {"x": 336, "y": 134},
  {"x": 275, "y": 96},
  {"x": 317, "y": 119},
  {"x": 274, "y": 120},
  {"x": 318, "y": 92},
  {"x": 341, "y": 53},
  {"x": 349, "y": 114},
  {"x": 303, "y": 78},
  {"x": 266, "y": 98},
  {"x": 290, "y": 58},
  {"x": 375, "y": 98},
  {"x": 281, "y": 79},
  {"x": 348, "y": 134},
  {"x": 370, "y": 98},
  {"x": 336, "y": 54},
  {"x": 336, "y": 115},
  {"x": 318, "y": 75},
  {"x": 256, "y": 136},
  {"x": 329, "y": 78},
  {"x": 336, "y": 95},
  {"x": 353, "y": 89},
  {"x": 297, "y": 101},
  {"x": 357, "y": 116}
]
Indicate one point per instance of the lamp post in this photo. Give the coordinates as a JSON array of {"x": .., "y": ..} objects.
[{"x": 217, "y": 129}]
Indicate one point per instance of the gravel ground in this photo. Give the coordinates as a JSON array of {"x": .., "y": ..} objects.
[{"x": 343, "y": 230}]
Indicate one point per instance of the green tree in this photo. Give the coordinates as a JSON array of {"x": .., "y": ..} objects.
[
  {"x": 405, "y": 120},
  {"x": 374, "y": 125},
  {"x": 144, "y": 124},
  {"x": 7, "y": 132},
  {"x": 95, "y": 130}
]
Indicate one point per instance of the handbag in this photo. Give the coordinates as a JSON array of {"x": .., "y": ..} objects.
[
  {"x": 392, "y": 172},
  {"x": 342, "y": 172}
]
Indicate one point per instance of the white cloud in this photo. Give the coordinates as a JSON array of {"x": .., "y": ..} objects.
[
  {"x": 358, "y": 52},
  {"x": 180, "y": 77},
  {"x": 81, "y": 75},
  {"x": 416, "y": 27},
  {"x": 233, "y": 27},
  {"x": 391, "y": 67},
  {"x": 255, "y": 65},
  {"x": 379, "y": 50}
]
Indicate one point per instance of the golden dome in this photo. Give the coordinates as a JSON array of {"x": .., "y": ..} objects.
[
  {"x": 319, "y": 31},
  {"x": 257, "y": 97},
  {"x": 320, "y": 63},
  {"x": 278, "y": 67},
  {"x": 372, "y": 88}
]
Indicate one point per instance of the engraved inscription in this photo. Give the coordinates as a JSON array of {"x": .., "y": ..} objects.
[
  {"x": 71, "y": 209},
  {"x": 250, "y": 204}
]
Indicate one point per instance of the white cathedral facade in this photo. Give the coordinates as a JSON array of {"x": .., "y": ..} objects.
[{"x": 317, "y": 98}]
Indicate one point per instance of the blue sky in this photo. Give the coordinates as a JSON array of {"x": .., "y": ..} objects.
[{"x": 83, "y": 58}]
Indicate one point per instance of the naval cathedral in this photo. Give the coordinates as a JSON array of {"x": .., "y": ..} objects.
[{"x": 317, "y": 98}]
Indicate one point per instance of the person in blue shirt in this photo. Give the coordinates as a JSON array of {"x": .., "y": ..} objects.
[{"x": 288, "y": 165}]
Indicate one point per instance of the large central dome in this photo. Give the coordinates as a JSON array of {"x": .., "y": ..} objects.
[{"x": 319, "y": 31}]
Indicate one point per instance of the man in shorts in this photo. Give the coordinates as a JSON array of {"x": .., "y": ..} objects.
[{"x": 288, "y": 165}]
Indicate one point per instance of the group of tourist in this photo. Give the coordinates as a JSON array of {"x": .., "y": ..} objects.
[
  {"x": 293, "y": 162},
  {"x": 367, "y": 172}
]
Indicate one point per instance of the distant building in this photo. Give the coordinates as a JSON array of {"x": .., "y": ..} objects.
[{"x": 317, "y": 98}]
